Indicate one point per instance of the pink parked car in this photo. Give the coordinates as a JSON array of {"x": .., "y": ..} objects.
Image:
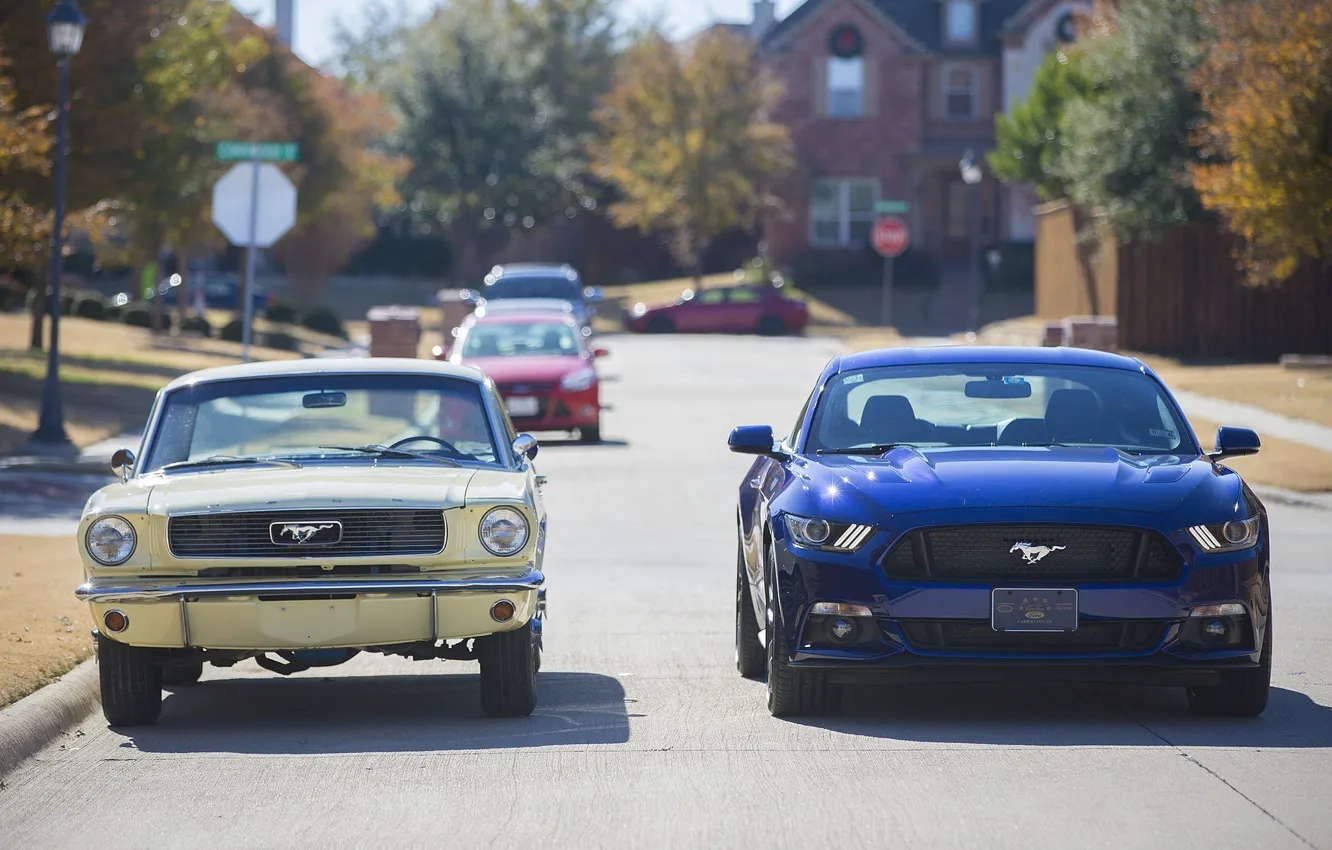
[{"x": 732, "y": 310}]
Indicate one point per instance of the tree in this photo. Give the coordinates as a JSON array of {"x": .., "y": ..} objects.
[
  {"x": 1127, "y": 143},
  {"x": 25, "y": 146},
  {"x": 688, "y": 142},
  {"x": 1030, "y": 139},
  {"x": 1268, "y": 88}
]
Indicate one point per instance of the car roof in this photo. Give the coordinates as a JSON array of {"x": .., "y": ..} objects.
[
  {"x": 534, "y": 269},
  {"x": 979, "y": 355},
  {"x": 511, "y": 305},
  {"x": 523, "y": 317},
  {"x": 329, "y": 366}
]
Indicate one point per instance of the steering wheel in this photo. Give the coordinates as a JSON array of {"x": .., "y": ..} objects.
[{"x": 444, "y": 444}]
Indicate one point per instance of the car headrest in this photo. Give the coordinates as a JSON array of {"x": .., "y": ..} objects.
[
  {"x": 1073, "y": 415},
  {"x": 887, "y": 408}
]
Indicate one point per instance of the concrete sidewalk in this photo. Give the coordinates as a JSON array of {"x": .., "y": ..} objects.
[{"x": 1265, "y": 422}]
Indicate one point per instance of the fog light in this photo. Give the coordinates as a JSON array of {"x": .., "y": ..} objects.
[
  {"x": 502, "y": 611},
  {"x": 842, "y": 629},
  {"x": 1216, "y": 629},
  {"x": 115, "y": 621},
  {"x": 589, "y": 410}
]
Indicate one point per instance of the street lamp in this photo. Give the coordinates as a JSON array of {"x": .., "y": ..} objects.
[
  {"x": 972, "y": 176},
  {"x": 64, "y": 31}
]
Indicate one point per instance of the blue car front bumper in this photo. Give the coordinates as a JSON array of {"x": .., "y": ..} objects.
[{"x": 940, "y": 630}]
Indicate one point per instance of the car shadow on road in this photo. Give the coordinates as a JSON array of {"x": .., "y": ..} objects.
[
  {"x": 1071, "y": 715},
  {"x": 605, "y": 443},
  {"x": 385, "y": 714}
]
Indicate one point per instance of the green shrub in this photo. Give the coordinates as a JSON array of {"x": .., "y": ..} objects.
[
  {"x": 281, "y": 341},
  {"x": 234, "y": 330},
  {"x": 282, "y": 313},
  {"x": 91, "y": 307},
  {"x": 325, "y": 321},
  {"x": 197, "y": 324},
  {"x": 138, "y": 317}
]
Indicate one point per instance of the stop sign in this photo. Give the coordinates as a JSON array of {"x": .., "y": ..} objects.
[
  {"x": 272, "y": 197},
  {"x": 890, "y": 237}
]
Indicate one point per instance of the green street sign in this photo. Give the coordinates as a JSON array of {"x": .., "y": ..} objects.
[
  {"x": 892, "y": 207},
  {"x": 263, "y": 151}
]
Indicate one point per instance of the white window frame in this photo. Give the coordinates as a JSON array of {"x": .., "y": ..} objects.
[
  {"x": 859, "y": 111},
  {"x": 948, "y": 7},
  {"x": 845, "y": 217},
  {"x": 946, "y": 86}
]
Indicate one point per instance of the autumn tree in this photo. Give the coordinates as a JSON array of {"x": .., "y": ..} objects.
[
  {"x": 688, "y": 142},
  {"x": 25, "y": 146},
  {"x": 1267, "y": 86}
]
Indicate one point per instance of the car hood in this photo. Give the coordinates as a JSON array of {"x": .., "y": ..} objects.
[
  {"x": 907, "y": 479},
  {"x": 509, "y": 370},
  {"x": 248, "y": 488}
]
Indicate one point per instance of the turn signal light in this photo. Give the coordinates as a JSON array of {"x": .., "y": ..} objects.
[
  {"x": 1229, "y": 609},
  {"x": 840, "y": 609},
  {"x": 502, "y": 611},
  {"x": 115, "y": 621}
]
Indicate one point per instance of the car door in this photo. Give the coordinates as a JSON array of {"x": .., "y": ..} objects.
[
  {"x": 744, "y": 308},
  {"x": 704, "y": 313}
]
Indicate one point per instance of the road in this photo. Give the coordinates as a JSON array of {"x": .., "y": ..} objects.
[{"x": 647, "y": 737}]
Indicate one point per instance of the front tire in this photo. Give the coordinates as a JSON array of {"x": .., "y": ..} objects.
[
  {"x": 1242, "y": 693},
  {"x": 771, "y": 326},
  {"x": 591, "y": 435},
  {"x": 660, "y": 325},
  {"x": 131, "y": 683},
  {"x": 793, "y": 692},
  {"x": 509, "y": 663},
  {"x": 749, "y": 656}
]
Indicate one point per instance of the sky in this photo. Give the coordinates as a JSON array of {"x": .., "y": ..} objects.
[{"x": 316, "y": 19}]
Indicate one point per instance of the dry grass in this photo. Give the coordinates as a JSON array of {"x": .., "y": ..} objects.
[
  {"x": 46, "y": 631},
  {"x": 1297, "y": 393},
  {"x": 1291, "y": 466}
]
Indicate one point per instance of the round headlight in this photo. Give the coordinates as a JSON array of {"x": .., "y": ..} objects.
[
  {"x": 110, "y": 540},
  {"x": 816, "y": 530},
  {"x": 504, "y": 531}
]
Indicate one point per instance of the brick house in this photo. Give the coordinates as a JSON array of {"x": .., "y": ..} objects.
[{"x": 883, "y": 99}]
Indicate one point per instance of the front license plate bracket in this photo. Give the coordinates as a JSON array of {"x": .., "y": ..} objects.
[
  {"x": 1034, "y": 609},
  {"x": 522, "y": 406}
]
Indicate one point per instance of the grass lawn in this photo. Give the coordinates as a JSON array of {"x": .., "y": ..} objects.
[{"x": 46, "y": 631}]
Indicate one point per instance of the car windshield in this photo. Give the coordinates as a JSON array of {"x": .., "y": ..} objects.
[
  {"x": 869, "y": 410},
  {"x": 533, "y": 286},
  {"x": 291, "y": 418},
  {"x": 520, "y": 338}
]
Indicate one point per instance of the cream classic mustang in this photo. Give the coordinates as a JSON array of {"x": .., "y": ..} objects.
[{"x": 301, "y": 512}]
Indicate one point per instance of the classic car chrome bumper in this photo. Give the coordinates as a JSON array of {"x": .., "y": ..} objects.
[{"x": 102, "y": 591}]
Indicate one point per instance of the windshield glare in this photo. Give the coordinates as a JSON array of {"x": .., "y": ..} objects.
[
  {"x": 934, "y": 406},
  {"x": 533, "y": 286},
  {"x": 292, "y": 417},
  {"x": 509, "y": 339}
]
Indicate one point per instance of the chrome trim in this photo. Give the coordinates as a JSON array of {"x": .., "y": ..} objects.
[
  {"x": 93, "y": 591},
  {"x": 184, "y": 624},
  {"x": 434, "y": 616},
  {"x": 275, "y": 508},
  {"x": 315, "y": 554}
]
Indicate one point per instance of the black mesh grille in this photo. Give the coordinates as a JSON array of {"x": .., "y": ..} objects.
[
  {"x": 364, "y": 533},
  {"x": 1017, "y": 552},
  {"x": 977, "y": 636}
]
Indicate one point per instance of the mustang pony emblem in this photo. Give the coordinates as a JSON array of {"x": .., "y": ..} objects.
[
  {"x": 1032, "y": 554},
  {"x": 303, "y": 533}
]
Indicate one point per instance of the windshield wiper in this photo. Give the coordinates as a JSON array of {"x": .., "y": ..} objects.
[
  {"x": 385, "y": 451},
  {"x": 864, "y": 450},
  {"x": 227, "y": 460}
]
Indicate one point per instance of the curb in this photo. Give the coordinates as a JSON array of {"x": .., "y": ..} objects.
[{"x": 29, "y": 725}]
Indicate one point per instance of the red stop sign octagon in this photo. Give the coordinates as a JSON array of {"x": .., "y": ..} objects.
[{"x": 890, "y": 237}]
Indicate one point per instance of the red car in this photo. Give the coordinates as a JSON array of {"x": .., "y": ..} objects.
[
  {"x": 733, "y": 310},
  {"x": 541, "y": 365}
]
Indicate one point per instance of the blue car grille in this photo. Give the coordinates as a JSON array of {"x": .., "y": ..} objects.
[
  {"x": 1101, "y": 636},
  {"x": 1011, "y": 553},
  {"x": 375, "y": 533}
]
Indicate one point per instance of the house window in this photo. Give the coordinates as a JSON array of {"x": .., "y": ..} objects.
[
  {"x": 846, "y": 87},
  {"x": 960, "y": 21},
  {"x": 841, "y": 212},
  {"x": 960, "y": 87}
]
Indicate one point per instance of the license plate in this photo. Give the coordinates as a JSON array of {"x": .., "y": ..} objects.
[
  {"x": 522, "y": 406},
  {"x": 1034, "y": 609}
]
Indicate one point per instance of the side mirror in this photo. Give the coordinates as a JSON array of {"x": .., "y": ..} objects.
[
  {"x": 122, "y": 462},
  {"x": 1235, "y": 442},
  {"x": 754, "y": 440},
  {"x": 599, "y": 351},
  {"x": 525, "y": 445}
]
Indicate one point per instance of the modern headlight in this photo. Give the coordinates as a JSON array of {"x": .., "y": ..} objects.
[
  {"x": 822, "y": 534},
  {"x": 110, "y": 541},
  {"x": 580, "y": 380},
  {"x": 504, "y": 531},
  {"x": 1226, "y": 536}
]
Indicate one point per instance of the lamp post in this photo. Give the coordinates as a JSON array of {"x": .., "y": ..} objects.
[
  {"x": 64, "y": 30},
  {"x": 972, "y": 175}
]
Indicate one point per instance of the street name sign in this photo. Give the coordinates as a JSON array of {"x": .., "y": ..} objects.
[
  {"x": 892, "y": 207},
  {"x": 262, "y": 151}
]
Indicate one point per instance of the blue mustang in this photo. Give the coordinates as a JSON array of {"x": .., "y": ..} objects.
[{"x": 967, "y": 513}]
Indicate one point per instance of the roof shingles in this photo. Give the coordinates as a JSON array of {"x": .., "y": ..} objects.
[{"x": 922, "y": 20}]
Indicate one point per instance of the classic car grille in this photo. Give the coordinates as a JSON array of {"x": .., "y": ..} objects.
[
  {"x": 983, "y": 552},
  {"x": 977, "y": 636},
  {"x": 364, "y": 533}
]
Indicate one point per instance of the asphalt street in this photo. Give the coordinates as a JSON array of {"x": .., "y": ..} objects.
[{"x": 647, "y": 737}]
